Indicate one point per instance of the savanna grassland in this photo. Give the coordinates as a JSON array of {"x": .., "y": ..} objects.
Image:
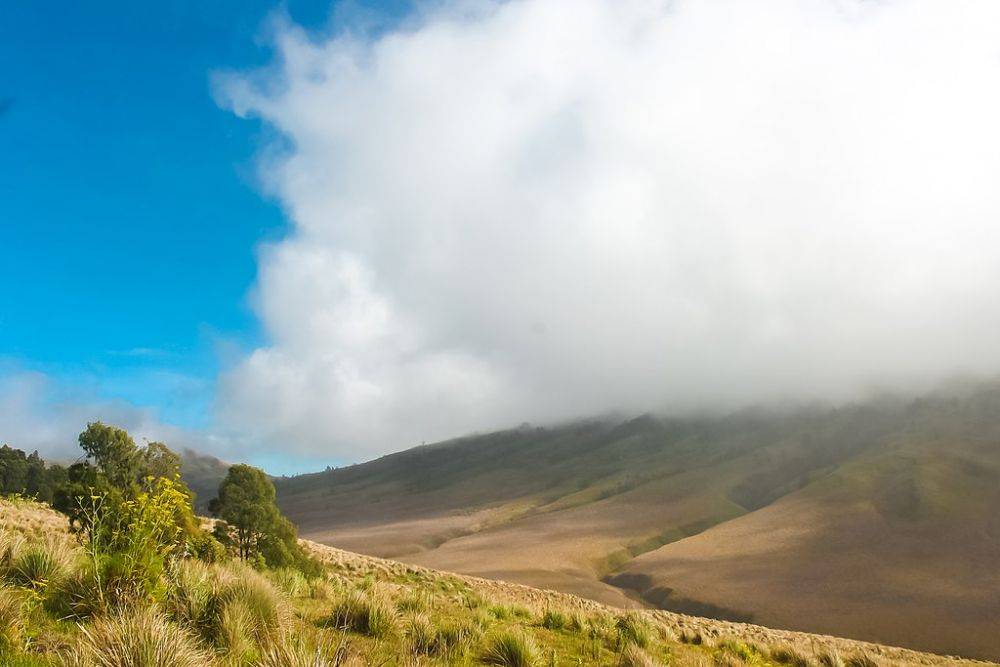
[{"x": 353, "y": 610}]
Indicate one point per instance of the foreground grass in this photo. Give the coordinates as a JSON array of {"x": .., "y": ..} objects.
[{"x": 361, "y": 611}]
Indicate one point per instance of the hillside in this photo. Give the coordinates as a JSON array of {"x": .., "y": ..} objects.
[
  {"x": 873, "y": 520},
  {"x": 426, "y": 617},
  {"x": 202, "y": 473}
]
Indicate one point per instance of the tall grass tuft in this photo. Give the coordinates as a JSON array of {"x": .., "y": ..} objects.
[
  {"x": 421, "y": 634},
  {"x": 830, "y": 659},
  {"x": 510, "y": 649},
  {"x": 191, "y": 595},
  {"x": 368, "y": 613},
  {"x": 12, "y": 628},
  {"x": 290, "y": 581},
  {"x": 786, "y": 655},
  {"x": 862, "y": 660},
  {"x": 139, "y": 638},
  {"x": 633, "y": 656},
  {"x": 632, "y": 629},
  {"x": 247, "y": 609},
  {"x": 37, "y": 566},
  {"x": 553, "y": 619}
]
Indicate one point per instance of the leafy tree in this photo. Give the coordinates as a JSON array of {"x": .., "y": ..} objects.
[
  {"x": 253, "y": 524},
  {"x": 158, "y": 460},
  {"x": 113, "y": 452},
  {"x": 28, "y": 475}
]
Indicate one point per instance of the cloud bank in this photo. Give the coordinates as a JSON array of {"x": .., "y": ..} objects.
[{"x": 542, "y": 209}]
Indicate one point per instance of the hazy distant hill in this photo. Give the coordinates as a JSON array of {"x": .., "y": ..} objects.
[
  {"x": 875, "y": 520},
  {"x": 202, "y": 473}
]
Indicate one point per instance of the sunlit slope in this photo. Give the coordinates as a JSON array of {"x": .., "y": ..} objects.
[
  {"x": 901, "y": 545},
  {"x": 860, "y": 507}
]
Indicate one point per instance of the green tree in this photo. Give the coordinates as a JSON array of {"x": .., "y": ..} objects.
[
  {"x": 252, "y": 522},
  {"x": 113, "y": 452}
]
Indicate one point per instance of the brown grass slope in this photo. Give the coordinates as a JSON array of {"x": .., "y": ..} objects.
[
  {"x": 575, "y": 507},
  {"x": 586, "y": 631}
]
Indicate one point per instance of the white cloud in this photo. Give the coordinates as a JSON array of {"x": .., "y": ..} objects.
[
  {"x": 541, "y": 209},
  {"x": 40, "y": 412}
]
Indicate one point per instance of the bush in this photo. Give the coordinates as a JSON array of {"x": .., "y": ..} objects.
[
  {"x": 510, "y": 649},
  {"x": 632, "y": 629},
  {"x": 142, "y": 638},
  {"x": 365, "y": 613}
]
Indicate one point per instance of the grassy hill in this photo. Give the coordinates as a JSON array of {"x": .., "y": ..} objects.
[
  {"x": 360, "y": 611},
  {"x": 874, "y": 520}
]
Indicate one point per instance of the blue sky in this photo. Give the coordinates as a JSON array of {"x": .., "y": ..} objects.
[
  {"x": 484, "y": 214},
  {"x": 129, "y": 208}
]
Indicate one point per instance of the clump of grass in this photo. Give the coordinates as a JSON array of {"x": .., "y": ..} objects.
[
  {"x": 421, "y": 634},
  {"x": 290, "y": 581},
  {"x": 830, "y": 659},
  {"x": 520, "y": 611},
  {"x": 691, "y": 637},
  {"x": 742, "y": 650},
  {"x": 455, "y": 638},
  {"x": 501, "y": 612},
  {"x": 368, "y": 613},
  {"x": 296, "y": 652},
  {"x": 632, "y": 629},
  {"x": 142, "y": 638},
  {"x": 11, "y": 544},
  {"x": 245, "y": 614},
  {"x": 12, "y": 628},
  {"x": 320, "y": 589},
  {"x": 553, "y": 619},
  {"x": 633, "y": 656},
  {"x": 37, "y": 566},
  {"x": 862, "y": 660},
  {"x": 415, "y": 601},
  {"x": 510, "y": 649},
  {"x": 786, "y": 655},
  {"x": 576, "y": 622},
  {"x": 192, "y": 594}
]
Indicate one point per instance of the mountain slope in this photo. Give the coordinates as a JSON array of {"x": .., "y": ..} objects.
[{"x": 617, "y": 511}]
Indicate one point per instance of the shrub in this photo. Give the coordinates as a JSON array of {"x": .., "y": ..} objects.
[
  {"x": 510, "y": 649},
  {"x": 554, "y": 619},
  {"x": 633, "y": 656},
  {"x": 365, "y": 613},
  {"x": 142, "y": 638},
  {"x": 632, "y": 629}
]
